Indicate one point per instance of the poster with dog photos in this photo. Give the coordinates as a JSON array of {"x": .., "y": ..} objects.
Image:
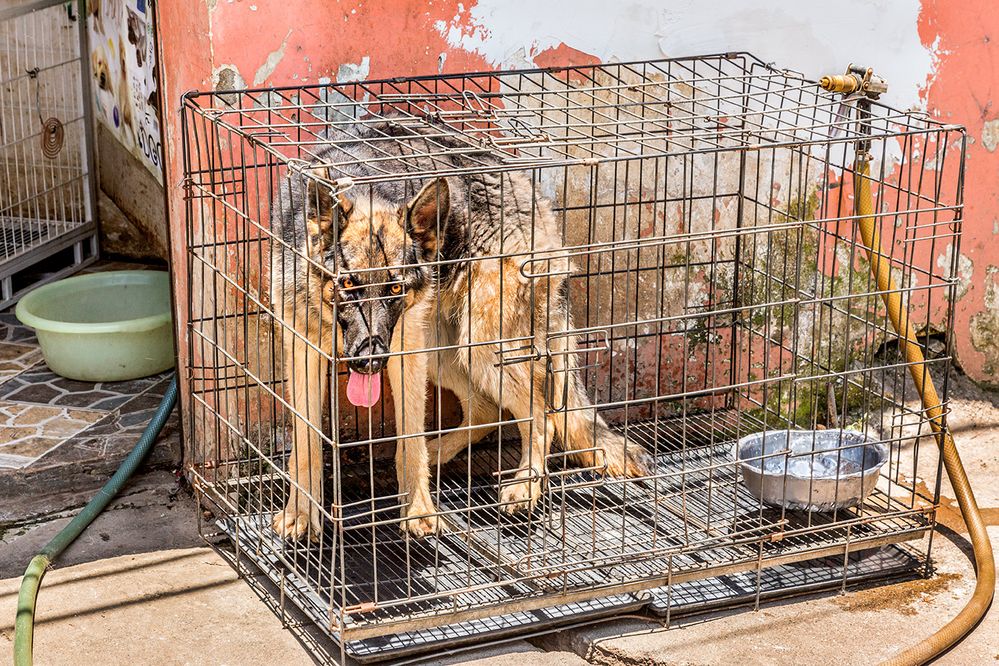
[{"x": 122, "y": 58}]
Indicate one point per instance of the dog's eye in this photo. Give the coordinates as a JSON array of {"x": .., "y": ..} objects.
[
  {"x": 347, "y": 283},
  {"x": 396, "y": 289}
]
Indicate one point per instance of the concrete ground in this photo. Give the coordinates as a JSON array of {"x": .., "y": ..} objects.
[{"x": 140, "y": 587}]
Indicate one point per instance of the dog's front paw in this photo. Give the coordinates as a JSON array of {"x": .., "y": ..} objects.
[
  {"x": 424, "y": 520},
  {"x": 523, "y": 493},
  {"x": 297, "y": 520}
]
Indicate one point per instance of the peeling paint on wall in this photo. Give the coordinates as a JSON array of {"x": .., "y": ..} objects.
[
  {"x": 984, "y": 326},
  {"x": 227, "y": 77},
  {"x": 965, "y": 269},
  {"x": 271, "y": 62},
  {"x": 350, "y": 71},
  {"x": 961, "y": 90},
  {"x": 990, "y": 135},
  {"x": 813, "y": 37}
]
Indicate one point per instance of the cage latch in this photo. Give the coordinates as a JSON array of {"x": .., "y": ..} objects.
[
  {"x": 521, "y": 354},
  {"x": 559, "y": 359},
  {"x": 365, "y": 607}
]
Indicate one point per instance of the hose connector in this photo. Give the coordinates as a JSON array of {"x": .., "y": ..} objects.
[
  {"x": 840, "y": 83},
  {"x": 856, "y": 79}
]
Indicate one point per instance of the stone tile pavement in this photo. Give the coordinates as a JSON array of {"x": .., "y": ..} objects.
[{"x": 59, "y": 435}]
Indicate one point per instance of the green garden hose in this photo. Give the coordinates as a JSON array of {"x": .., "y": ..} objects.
[{"x": 25, "y": 620}]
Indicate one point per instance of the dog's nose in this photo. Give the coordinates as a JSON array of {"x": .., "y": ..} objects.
[{"x": 376, "y": 352}]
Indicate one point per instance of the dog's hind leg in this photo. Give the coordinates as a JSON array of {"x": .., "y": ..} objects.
[
  {"x": 477, "y": 409},
  {"x": 583, "y": 432},
  {"x": 306, "y": 370}
]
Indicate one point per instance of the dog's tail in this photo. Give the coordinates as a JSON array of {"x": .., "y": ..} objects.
[{"x": 584, "y": 434}]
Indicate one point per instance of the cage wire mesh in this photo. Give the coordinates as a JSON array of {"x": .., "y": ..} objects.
[
  {"x": 582, "y": 285},
  {"x": 46, "y": 212}
]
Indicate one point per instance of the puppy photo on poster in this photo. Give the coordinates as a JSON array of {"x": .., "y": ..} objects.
[{"x": 122, "y": 64}]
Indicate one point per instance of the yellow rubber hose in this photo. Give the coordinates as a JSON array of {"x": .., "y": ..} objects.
[{"x": 952, "y": 632}]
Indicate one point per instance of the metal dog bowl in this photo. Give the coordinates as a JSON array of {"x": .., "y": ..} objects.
[{"x": 810, "y": 470}]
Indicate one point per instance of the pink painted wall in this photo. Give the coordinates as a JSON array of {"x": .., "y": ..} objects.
[
  {"x": 940, "y": 56},
  {"x": 962, "y": 90}
]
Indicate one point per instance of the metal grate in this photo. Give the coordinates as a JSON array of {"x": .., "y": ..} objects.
[
  {"x": 671, "y": 602},
  {"x": 46, "y": 200},
  {"x": 593, "y": 536},
  {"x": 558, "y": 272}
]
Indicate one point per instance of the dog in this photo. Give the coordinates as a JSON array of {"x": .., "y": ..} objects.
[
  {"x": 96, "y": 16},
  {"x": 137, "y": 36},
  {"x": 101, "y": 69},
  {"x": 412, "y": 265},
  {"x": 124, "y": 91},
  {"x": 113, "y": 92}
]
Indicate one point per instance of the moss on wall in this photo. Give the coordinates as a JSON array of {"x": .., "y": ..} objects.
[{"x": 830, "y": 327}]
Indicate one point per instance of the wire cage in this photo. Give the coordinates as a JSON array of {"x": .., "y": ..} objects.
[
  {"x": 582, "y": 287},
  {"x": 47, "y": 227}
]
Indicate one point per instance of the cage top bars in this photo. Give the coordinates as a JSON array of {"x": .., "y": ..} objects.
[{"x": 549, "y": 117}]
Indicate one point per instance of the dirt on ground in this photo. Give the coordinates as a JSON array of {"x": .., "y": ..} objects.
[{"x": 900, "y": 597}]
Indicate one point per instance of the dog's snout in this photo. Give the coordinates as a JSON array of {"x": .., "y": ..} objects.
[{"x": 370, "y": 356}]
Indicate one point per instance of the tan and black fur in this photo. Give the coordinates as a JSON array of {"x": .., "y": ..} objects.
[{"x": 445, "y": 230}]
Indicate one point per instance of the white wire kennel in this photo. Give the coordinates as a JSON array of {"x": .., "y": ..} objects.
[
  {"x": 47, "y": 227},
  {"x": 690, "y": 228}
]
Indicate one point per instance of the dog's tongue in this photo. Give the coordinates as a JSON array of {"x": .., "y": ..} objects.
[{"x": 364, "y": 390}]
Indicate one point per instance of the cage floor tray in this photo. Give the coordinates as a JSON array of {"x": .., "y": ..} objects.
[
  {"x": 784, "y": 580},
  {"x": 674, "y": 601},
  {"x": 18, "y": 234},
  {"x": 591, "y": 548},
  {"x": 34, "y": 252}
]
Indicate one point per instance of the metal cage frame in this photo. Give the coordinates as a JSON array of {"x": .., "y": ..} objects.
[
  {"x": 716, "y": 286},
  {"x": 48, "y": 207}
]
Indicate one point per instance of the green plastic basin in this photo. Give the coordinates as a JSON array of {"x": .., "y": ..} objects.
[{"x": 104, "y": 326}]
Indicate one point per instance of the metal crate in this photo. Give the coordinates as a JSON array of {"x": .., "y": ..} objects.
[
  {"x": 680, "y": 239},
  {"x": 47, "y": 224}
]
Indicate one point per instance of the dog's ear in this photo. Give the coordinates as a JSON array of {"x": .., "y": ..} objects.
[
  {"x": 322, "y": 210},
  {"x": 427, "y": 214}
]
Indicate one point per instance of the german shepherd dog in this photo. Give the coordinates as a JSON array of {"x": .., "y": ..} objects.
[{"x": 437, "y": 266}]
